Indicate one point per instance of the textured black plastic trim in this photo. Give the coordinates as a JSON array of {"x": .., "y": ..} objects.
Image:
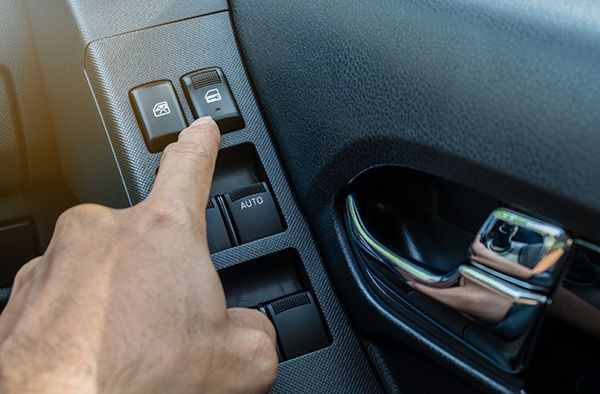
[
  {"x": 500, "y": 96},
  {"x": 245, "y": 191},
  {"x": 24, "y": 118}
]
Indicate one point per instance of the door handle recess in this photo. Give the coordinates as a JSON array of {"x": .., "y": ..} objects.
[
  {"x": 406, "y": 268},
  {"x": 471, "y": 289}
]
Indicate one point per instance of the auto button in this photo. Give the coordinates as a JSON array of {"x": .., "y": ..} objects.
[{"x": 254, "y": 212}]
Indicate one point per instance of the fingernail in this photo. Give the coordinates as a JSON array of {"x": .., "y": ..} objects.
[{"x": 202, "y": 120}]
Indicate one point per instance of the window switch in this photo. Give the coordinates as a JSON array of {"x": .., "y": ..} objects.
[
  {"x": 158, "y": 113},
  {"x": 253, "y": 212},
  {"x": 216, "y": 231},
  {"x": 298, "y": 323},
  {"x": 209, "y": 94}
]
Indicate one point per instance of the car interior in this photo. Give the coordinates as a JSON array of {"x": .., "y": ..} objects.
[{"x": 408, "y": 190}]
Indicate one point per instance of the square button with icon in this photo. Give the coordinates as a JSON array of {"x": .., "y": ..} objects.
[
  {"x": 159, "y": 113},
  {"x": 209, "y": 94}
]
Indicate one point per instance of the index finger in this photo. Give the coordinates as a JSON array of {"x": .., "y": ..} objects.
[{"x": 187, "y": 166}]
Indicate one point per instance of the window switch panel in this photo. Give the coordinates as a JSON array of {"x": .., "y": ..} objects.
[
  {"x": 208, "y": 94},
  {"x": 158, "y": 113},
  {"x": 253, "y": 212}
]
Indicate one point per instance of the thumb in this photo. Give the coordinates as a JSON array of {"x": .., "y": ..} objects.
[
  {"x": 187, "y": 166},
  {"x": 251, "y": 318}
]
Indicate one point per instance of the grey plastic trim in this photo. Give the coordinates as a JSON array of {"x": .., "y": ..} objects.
[{"x": 112, "y": 149}]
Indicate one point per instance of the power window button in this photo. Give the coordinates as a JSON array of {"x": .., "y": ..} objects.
[
  {"x": 254, "y": 212},
  {"x": 158, "y": 113},
  {"x": 209, "y": 94}
]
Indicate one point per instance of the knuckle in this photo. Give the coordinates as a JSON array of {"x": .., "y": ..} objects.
[
  {"x": 163, "y": 210},
  {"x": 190, "y": 151},
  {"x": 20, "y": 276},
  {"x": 75, "y": 217},
  {"x": 24, "y": 273},
  {"x": 23, "y": 270}
]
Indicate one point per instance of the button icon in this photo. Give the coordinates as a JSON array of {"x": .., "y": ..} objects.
[
  {"x": 212, "y": 95},
  {"x": 161, "y": 109}
]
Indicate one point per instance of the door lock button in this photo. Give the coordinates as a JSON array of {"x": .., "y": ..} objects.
[
  {"x": 254, "y": 212},
  {"x": 209, "y": 94},
  {"x": 158, "y": 113}
]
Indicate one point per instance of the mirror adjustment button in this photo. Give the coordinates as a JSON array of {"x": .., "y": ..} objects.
[
  {"x": 253, "y": 211},
  {"x": 216, "y": 232},
  {"x": 208, "y": 94},
  {"x": 158, "y": 113}
]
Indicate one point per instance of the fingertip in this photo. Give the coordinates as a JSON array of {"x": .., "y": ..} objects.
[
  {"x": 203, "y": 120},
  {"x": 203, "y": 129}
]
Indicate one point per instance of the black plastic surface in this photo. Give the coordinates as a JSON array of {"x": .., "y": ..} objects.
[
  {"x": 298, "y": 324},
  {"x": 97, "y": 19},
  {"x": 264, "y": 279},
  {"x": 217, "y": 234},
  {"x": 449, "y": 318},
  {"x": 486, "y": 93},
  {"x": 253, "y": 211},
  {"x": 583, "y": 276},
  {"x": 208, "y": 94},
  {"x": 237, "y": 166},
  {"x": 158, "y": 113},
  {"x": 18, "y": 245},
  {"x": 565, "y": 361}
]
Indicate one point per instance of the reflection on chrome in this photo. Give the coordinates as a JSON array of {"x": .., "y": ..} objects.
[
  {"x": 375, "y": 249},
  {"x": 519, "y": 246}
]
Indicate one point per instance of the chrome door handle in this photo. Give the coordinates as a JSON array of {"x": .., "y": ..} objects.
[
  {"x": 406, "y": 268},
  {"x": 520, "y": 249},
  {"x": 489, "y": 268}
]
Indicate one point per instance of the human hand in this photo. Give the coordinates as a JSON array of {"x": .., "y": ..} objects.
[{"x": 129, "y": 300}]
